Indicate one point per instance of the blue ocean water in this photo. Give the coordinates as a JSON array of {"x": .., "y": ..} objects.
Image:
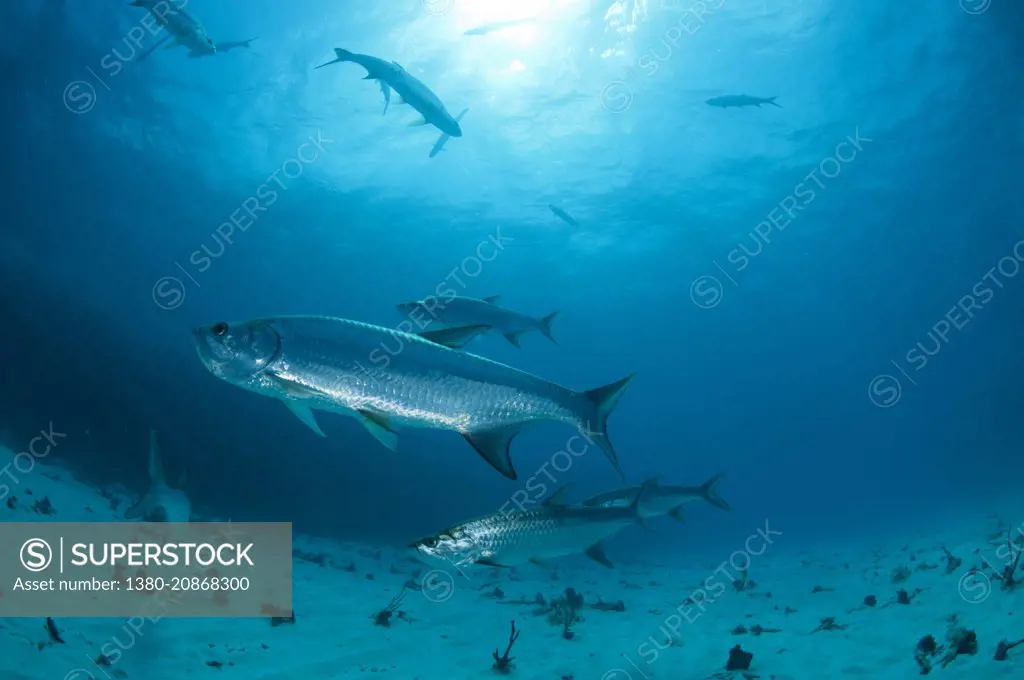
[{"x": 820, "y": 298}]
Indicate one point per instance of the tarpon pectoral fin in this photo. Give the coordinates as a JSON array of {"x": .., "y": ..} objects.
[
  {"x": 492, "y": 299},
  {"x": 380, "y": 427},
  {"x": 678, "y": 515},
  {"x": 513, "y": 338},
  {"x": 488, "y": 562},
  {"x": 294, "y": 388},
  {"x": 305, "y": 414},
  {"x": 558, "y": 497},
  {"x": 541, "y": 563},
  {"x": 596, "y": 553},
  {"x": 456, "y": 337},
  {"x": 494, "y": 445},
  {"x": 172, "y": 44}
]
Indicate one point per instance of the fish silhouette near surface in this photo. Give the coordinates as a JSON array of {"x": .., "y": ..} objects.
[
  {"x": 740, "y": 100},
  {"x": 392, "y": 77}
]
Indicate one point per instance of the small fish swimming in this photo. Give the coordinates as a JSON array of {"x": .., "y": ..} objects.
[
  {"x": 740, "y": 100},
  {"x": 662, "y": 500},
  {"x": 222, "y": 47},
  {"x": 554, "y": 529},
  {"x": 443, "y": 139},
  {"x": 229, "y": 45},
  {"x": 564, "y": 216},
  {"x": 461, "y": 311},
  {"x": 184, "y": 29},
  {"x": 391, "y": 76},
  {"x": 484, "y": 29},
  {"x": 161, "y": 503},
  {"x": 387, "y": 378}
]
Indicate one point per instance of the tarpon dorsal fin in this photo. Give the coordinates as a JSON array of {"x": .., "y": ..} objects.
[
  {"x": 397, "y": 65},
  {"x": 557, "y": 499}
]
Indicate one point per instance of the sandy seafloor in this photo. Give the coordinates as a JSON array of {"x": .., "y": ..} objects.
[{"x": 456, "y": 623}]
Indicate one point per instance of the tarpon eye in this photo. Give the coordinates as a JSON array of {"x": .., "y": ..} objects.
[{"x": 219, "y": 329}]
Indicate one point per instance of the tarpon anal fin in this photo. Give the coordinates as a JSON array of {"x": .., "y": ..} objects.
[
  {"x": 513, "y": 338},
  {"x": 494, "y": 445},
  {"x": 596, "y": 553},
  {"x": 380, "y": 427},
  {"x": 456, "y": 337},
  {"x": 677, "y": 515},
  {"x": 417, "y": 122}
]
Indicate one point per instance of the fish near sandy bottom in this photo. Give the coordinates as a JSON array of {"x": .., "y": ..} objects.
[
  {"x": 458, "y": 311},
  {"x": 329, "y": 364},
  {"x": 663, "y": 499},
  {"x": 391, "y": 76},
  {"x": 161, "y": 503},
  {"x": 553, "y": 529}
]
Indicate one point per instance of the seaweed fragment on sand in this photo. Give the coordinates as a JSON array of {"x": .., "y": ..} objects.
[
  {"x": 503, "y": 664},
  {"x": 383, "y": 617}
]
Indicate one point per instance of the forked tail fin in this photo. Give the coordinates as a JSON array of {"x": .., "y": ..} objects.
[
  {"x": 340, "y": 54},
  {"x": 709, "y": 492},
  {"x": 544, "y": 323},
  {"x": 603, "y": 401}
]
